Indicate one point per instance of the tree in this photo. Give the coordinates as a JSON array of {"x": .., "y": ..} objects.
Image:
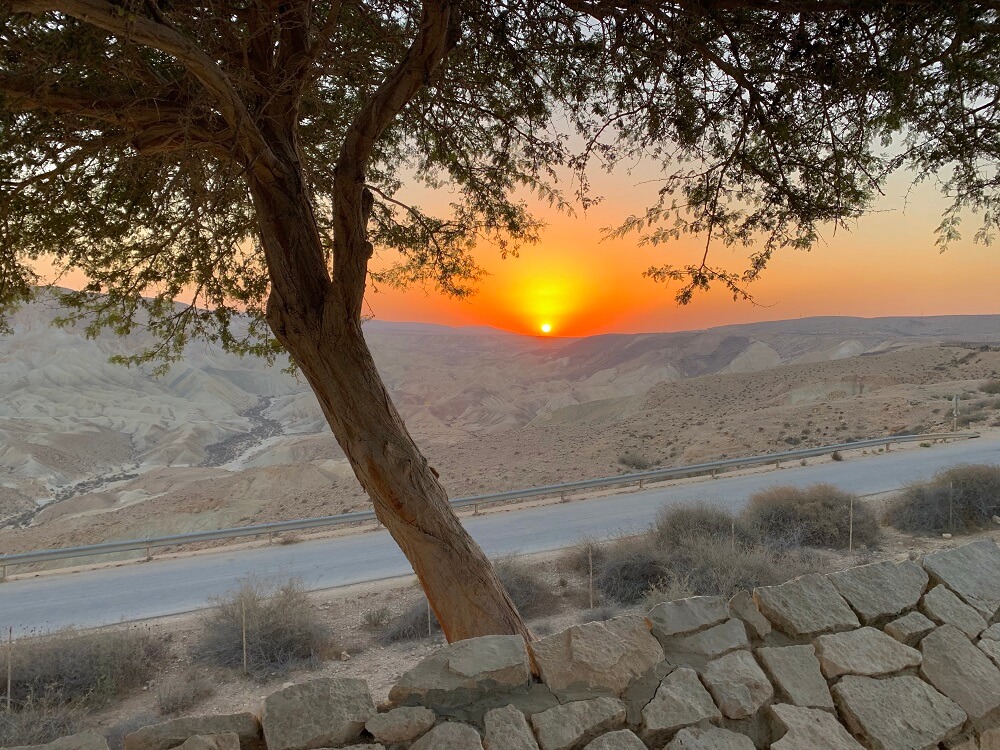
[{"x": 253, "y": 154}]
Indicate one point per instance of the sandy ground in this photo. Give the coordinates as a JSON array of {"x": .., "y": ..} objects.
[{"x": 676, "y": 422}]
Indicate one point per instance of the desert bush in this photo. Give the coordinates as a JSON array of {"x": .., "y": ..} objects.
[
  {"x": 817, "y": 516},
  {"x": 376, "y": 619},
  {"x": 712, "y": 566},
  {"x": 675, "y": 523},
  {"x": 959, "y": 499},
  {"x": 837, "y": 456},
  {"x": 116, "y": 735},
  {"x": 412, "y": 624},
  {"x": 69, "y": 666},
  {"x": 971, "y": 416},
  {"x": 283, "y": 631},
  {"x": 627, "y": 569},
  {"x": 183, "y": 692},
  {"x": 634, "y": 460},
  {"x": 38, "y": 722},
  {"x": 990, "y": 386},
  {"x": 532, "y": 596}
]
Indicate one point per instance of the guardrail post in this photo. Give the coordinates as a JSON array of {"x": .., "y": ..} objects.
[
  {"x": 562, "y": 497},
  {"x": 3, "y": 574},
  {"x": 149, "y": 553},
  {"x": 777, "y": 464},
  {"x": 640, "y": 484},
  {"x": 715, "y": 473},
  {"x": 887, "y": 445},
  {"x": 475, "y": 509}
]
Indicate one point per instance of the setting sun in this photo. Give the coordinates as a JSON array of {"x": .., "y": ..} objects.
[{"x": 546, "y": 328}]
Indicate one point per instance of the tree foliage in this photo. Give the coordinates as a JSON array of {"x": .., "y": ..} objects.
[{"x": 129, "y": 127}]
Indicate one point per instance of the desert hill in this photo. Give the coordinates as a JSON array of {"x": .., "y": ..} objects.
[{"x": 91, "y": 450}]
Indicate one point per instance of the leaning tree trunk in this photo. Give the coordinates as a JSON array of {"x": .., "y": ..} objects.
[{"x": 316, "y": 321}]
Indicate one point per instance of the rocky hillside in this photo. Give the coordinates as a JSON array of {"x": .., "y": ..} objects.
[{"x": 887, "y": 656}]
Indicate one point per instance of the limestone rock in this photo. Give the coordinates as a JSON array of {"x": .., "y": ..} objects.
[
  {"x": 320, "y": 713},
  {"x": 866, "y": 651},
  {"x": 971, "y": 571},
  {"x": 170, "y": 734},
  {"x": 991, "y": 648},
  {"x": 642, "y": 690},
  {"x": 82, "y": 741},
  {"x": 684, "y": 616},
  {"x": 596, "y": 657},
  {"x": 709, "y": 738},
  {"x": 803, "y": 728},
  {"x": 882, "y": 589},
  {"x": 992, "y": 632},
  {"x": 450, "y": 736},
  {"x": 461, "y": 672},
  {"x": 227, "y": 741},
  {"x": 805, "y": 606},
  {"x": 910, "y": 628},
  {"x": 623, "y": 739},
  {"x": 898, "y": 713},
  {"x": 990, "y": 739},
  {"x": 742, "y": 607},
  {"x": 738, "y": 684},
  {"x": 961, "y": 671},
  {"x": 680, "y": 701},
  {"x": 707, "y": 644},
  {"x": 403, "y": 724},
  {"x": 573, "y": 725},
  {"x": 796, "y": 673},
  {"x": 507, "y": 729},
  {"x": 944, "y": 608}
]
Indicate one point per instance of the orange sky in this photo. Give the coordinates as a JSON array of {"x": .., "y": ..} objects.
[
  {"x": 580, "y": 284},
  {"x": 887, "y": 265}
]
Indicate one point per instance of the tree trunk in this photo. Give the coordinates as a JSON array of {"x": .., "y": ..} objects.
[{"x": 323, "y": 336}]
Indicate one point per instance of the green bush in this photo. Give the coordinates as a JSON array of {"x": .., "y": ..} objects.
[
  {"x": 959, "y": 499},
  {"x": 69, "y": 666},
  {"x": 815, "y": 516},
  {"x": 283, "y": 631}
]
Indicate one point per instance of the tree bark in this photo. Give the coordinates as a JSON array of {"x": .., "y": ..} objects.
[{"x": 314, "y": 320}]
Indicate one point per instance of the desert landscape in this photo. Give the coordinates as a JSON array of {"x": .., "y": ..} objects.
[{"x": 92, "y": 451}]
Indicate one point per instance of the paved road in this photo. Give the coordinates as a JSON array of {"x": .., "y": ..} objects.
[{"x": 173, "y": 586}]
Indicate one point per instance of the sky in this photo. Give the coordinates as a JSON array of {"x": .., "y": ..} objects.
[{"x": 579, "y": 283}]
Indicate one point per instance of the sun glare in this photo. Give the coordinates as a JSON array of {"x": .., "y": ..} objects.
[{"x": 546, "y": 328}]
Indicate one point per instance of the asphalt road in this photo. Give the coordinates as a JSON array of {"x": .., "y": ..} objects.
[{"x": 172, "y": 586}]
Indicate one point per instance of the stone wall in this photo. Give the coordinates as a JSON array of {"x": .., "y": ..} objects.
[{"x": 887, "y": 656}]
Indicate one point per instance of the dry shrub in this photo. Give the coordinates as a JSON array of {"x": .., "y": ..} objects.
[
  {"x": 532, "y": 596},
  {"x": 710, "y": 566},
  {"x": 38, "y": 722},
  {"x": 69, "y": 666},
  {"x": 283, "y": 631},
  {"x": 183, "y": 692},
  {"x": 675, "y": 523},
  {"x": 627, "y": 569},
  {"x": 990, "y": 386},
  {"x": 960, "y": 499},
  {"x": 376, "y": 619},
  {"x": 816, "y": 516},
  {"x": 633, "y": 460}
]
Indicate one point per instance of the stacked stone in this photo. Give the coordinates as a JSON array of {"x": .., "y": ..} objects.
[{"x": 887, "y": 656}]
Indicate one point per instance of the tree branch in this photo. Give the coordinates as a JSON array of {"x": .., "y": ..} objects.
[{"x": 195, "y": 60}]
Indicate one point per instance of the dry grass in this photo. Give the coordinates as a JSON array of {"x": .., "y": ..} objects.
[
  {"x": 72, "y": 667},
  {"x": 183, "y": 692},
  {"x": 38, "y": 722},
  {"x": 959, "y": 499},
  {"x": 283, "y": 631},
  {"x": 814, "y": 516}
]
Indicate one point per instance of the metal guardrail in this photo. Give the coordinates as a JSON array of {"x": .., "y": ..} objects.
[{"x": 713, "y": 467}]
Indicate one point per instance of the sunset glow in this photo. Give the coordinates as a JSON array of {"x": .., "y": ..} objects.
[{"x": 546, "y": 327}]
